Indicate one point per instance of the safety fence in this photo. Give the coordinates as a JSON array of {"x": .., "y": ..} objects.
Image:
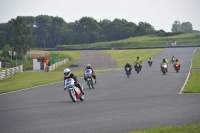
[
  {"x": 9, "y": 72},
  {"x": 54, "y": 66}
]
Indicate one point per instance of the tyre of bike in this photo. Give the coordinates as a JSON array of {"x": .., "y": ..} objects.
[
  {"x": 72, "y": 94},
  {"x": 164, "y": 71},
  {"x": 176, "y": 69}
]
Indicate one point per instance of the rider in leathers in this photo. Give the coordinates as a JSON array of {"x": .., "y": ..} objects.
[
  {"x": 129, "y": 66},
  {"x": 164, "y": 61},
  {"x": 68, "y": 74},
  {"x": 177, "y": 60},
  {"x": 89, "y": 67},
  {"x": 138, "y": 60},
  {"x": 150, "y": 60}
]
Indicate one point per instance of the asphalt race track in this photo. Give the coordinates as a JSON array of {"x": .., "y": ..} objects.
[{"x": 117, "y": 104}]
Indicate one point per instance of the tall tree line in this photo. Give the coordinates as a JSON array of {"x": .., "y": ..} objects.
[
  {"x": 48, "y": 31},
  {"x": 181, "y": 27}
]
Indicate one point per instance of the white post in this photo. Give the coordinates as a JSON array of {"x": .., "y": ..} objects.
[{"x": 10, "y": 53}]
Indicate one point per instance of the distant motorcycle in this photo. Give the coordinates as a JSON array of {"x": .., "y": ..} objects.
[
  {"x": 150, "y": 63},
  {"x": 74, "y": 91},
  {"x": 172, "y": 60},
  {"x": 164, "y": 68},
  {"x": 89, "y": 78},
  {"x": 137, "y": 68},
  {"x": 177, "y": 67},
  {"x": 128, "y": 71}
]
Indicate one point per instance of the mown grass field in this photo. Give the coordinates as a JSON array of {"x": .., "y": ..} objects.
[
  {"x": 188, "y": 39},
  {"x": 123, "y": 56},
  {"x": 193, "y": 128},
  {"x": 193, "y": 85}
]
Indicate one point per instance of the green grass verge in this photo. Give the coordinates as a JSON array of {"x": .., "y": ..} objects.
[
  {"x": 123, "y": 56},
  {"x": 193, "y": 85},
  {"x": 188, "y": 39},
  {"x": 193, "y": 128},
  {"x": 196, "y": 59}
]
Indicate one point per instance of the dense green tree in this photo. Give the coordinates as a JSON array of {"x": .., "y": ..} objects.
[
  {"x": 59, "y": 27},
  {"x": 186, "y": 27},
  {"x": 144, "y": 28},
  {"x": 42, "y": 30},
  {"x": 89, "y": 29},
  {"x": 22, "y": 38},
  {"x": 104, "y": 24},
  {"x": 176, "y": 26},
  {"x": 5, "y": 50}
]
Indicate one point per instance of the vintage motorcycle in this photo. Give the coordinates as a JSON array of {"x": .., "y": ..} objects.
[
  {"x": 177, "y": 67},
  {"x": 164, "y": 68},
  {"x": 128, "y": 71},
  {"x": 74, "y": 91},
  {"x": 89, "y": 78}
]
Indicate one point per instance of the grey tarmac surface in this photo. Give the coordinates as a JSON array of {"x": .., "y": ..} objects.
[
  {"x": 97, "y": 59},
  {"x": 117, "y": 104}
]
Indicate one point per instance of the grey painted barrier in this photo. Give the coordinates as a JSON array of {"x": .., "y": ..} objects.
[{"x": 9, "y": 72}]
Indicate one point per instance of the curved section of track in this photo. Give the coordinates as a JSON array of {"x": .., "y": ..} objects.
[{"x": 117, "y": 104}]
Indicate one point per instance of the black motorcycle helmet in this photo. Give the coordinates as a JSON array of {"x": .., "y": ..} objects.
[
  {"x": 164, "y": 59},
  {"x": 138, "y": 57}
]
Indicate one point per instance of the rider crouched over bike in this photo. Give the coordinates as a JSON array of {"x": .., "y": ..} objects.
[
  {"x": 138, "y": 60},
  {"x": 177, "y": 61},
  {"x": 164, "y": 61},
  {"x": 127, "y": 66},
  {"x": 68, "y": 74},
  {"x": 88, "y": 66}
]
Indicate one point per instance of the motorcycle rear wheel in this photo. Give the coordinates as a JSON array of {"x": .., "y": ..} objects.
[
  {"x": 82, "y": 98},
  {"x": 92, "y": 84},
  {"x": 88, "y": 82}
]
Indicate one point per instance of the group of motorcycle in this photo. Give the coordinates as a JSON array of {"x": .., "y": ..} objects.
[
  {"x": 76, "y": 94},
  {"x": 164, "y": 66},
  {"x": 74, "y": 91}
]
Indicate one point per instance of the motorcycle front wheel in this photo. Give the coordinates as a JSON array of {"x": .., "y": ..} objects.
[{"x": 72, "y": 94}]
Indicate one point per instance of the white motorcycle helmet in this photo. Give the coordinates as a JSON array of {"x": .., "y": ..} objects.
[
  {"x": 67, "y": 72},
  {"x": 88, "y": 66}
]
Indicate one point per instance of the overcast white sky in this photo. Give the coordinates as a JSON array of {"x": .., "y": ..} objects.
[{"x": 159, "y": 13}]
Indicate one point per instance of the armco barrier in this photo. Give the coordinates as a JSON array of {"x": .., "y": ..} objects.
[
  {"x": 54, "y": 66},
  {"x": 9, "y": 72}
]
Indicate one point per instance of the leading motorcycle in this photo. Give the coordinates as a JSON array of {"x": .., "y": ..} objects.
[
  {"x": 128, "y": 71},
  {"x": 89, "y": 78},
  {"x": 74, "y": 91}
]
